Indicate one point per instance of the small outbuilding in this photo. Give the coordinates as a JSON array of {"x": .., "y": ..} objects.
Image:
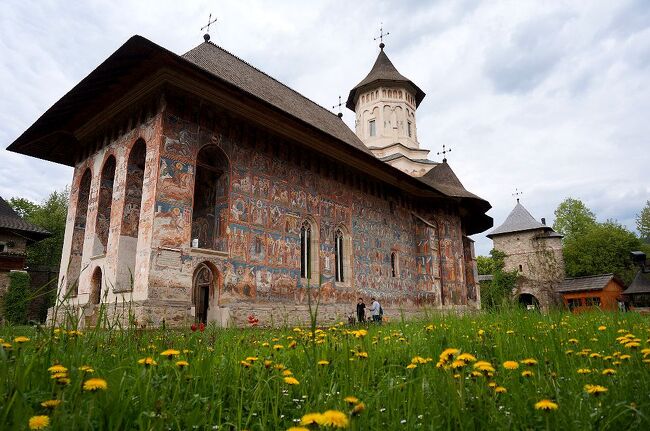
[{"x": 583, "y": 293}]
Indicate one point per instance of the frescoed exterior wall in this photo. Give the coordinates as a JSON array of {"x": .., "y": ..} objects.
[{"x": 245, "y": 222}]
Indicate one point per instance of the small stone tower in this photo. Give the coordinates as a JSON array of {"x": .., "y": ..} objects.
[
  {"x": 535, "y": 251},
  {"x": 385, "y": 103}
]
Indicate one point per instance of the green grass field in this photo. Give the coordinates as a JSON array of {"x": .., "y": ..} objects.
[{"x": 399, "y": 375}]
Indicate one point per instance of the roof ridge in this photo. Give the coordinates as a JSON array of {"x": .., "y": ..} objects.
[
  {"x": 609, "y": 274},
  {"x": 263, "y": 73}
]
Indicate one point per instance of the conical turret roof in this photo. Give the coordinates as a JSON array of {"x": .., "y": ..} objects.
[
  {"x": 383, "y": 72},
  {"x": 520, "y": 220}
]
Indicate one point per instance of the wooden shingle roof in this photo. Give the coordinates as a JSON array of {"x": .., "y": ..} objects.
[
  {"x": 590, "y": 282},
  {"x": 10, "y": 220}
]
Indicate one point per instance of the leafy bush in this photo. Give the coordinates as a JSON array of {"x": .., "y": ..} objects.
[{"x": 17, "y": 297}]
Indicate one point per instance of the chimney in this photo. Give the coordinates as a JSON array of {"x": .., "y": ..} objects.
[{"x": 543, "y": 221}]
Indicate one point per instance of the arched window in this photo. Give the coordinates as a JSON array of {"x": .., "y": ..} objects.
[
  {"x": 104, "y": 205},
  {"x": 339, "y": 254},
  {"x": 394, "y": 264},
  {"x": 210, "y": 212},
  {"x": 305, "y": 250},
  {"x": 131, "y": 216},
  {"x": 78, "y": 234}
]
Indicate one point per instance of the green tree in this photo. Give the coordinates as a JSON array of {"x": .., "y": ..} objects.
[
  {"x": 603, "y": 248},
  {"x": 50, "y": 215},
  {"x": 643, "y": 223},
  {"x": 498, "y": 291},
  {"x": 573, "y": 218},
  {"x": 485, "y": 265},
  {"x": 15, "y": 301}
]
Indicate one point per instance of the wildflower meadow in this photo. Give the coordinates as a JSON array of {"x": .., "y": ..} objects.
[{"x": 506, "y": 370}]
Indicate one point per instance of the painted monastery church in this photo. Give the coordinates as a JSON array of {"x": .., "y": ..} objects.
[{"x": 205, "y": 190}]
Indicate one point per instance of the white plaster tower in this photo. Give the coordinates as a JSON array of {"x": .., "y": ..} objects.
[{"x": 385, "y": 103}]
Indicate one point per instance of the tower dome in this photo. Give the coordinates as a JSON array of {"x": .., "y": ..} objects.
[{"x": 385, "y": 102}]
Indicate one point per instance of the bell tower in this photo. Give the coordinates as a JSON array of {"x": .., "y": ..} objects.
[{"x": 385, "y": 104}]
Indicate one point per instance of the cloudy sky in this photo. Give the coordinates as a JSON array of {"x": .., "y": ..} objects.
[{"x": 552, "y": 98}]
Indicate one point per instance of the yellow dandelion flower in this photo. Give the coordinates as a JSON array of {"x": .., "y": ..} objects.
[
  {"x": 86, "y": 369},
  {"x": 584, "y": 371},
  {"x": 292, "y": 344},
  {"x": 595, "y": 389},
  {"x": 527, "y": 373},
  {"x": 358, "y": 408},
  {"x": 608, "y": 372},
  {"x": 169, "y": 353},
  {"x": 312, "y": 419},
  {"x": 362, "y": 355},
  {"x": 500, "y": 390},
  {"x": 245, "y": 364},
  {"x": 466, "y": 357},
  {"x": 39, "y": 422},
  {"x": 297, "y": 429},
  {"x": 251, "y": 359},
  {"x": 50, "y": 404},
  {"x": 278, "y": 347},
  {"x": 418, "y": 360},
  {"x": 20, "y": 340},
  {"x": 95, "y": 384},
  {"x": 5, "y": 346},
  {"x": 529, "y": 361},
  {"x": 323, "y": 362},
  {"x": 476, "y": 374},
  {"x": 458, "y": 364},
  {"x": 632, "y": 345},
  {"x": 63, "y": 381},
  {"x": 58, "y": 375},
  {"x": 411, "y": 366},
  {"x": 511, "y": 365},
  {"x": 287, "y": 373},
  {"x": 484, "y": 366},
  {"x": 448, "y": 353},
  {"x": 624, "y": 357},
  {"x": 58, "y": 368},
  {"x": 335, "y": 418},
  {"x": 546, "y": 405},
  {"x": 351, "y": 399},
  {"x": 148, "y": 361},
  {"x": 602, "y": 328},
  {"x": 182, "y": 364},
  {"x": 573, "y": 341},
  {"x": 291, "y": 381}
]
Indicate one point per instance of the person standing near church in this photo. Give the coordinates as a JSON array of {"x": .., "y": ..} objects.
[
  {"x": 361, "y": 311},
  {"x": 375, "y": 310}
]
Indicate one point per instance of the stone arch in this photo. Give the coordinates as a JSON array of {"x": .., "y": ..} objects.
[
  {"x": 104, "y": 206},
  {"x": 78, "y": 234},
  {"x": 96, "y": 282},
  {"x": 206, "y": 280},
  {"x": 130, "y": 226},
  {"x": 528, "y": 300},
  {"x": 210, "y": 211}
]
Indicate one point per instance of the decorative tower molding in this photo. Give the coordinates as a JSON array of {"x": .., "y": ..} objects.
[{"x": 385, "y": 104}]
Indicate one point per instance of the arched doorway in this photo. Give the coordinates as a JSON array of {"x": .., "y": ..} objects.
[
  {"x": 96, "y": 286},
  {"x": 203, "y": 289},
  {"x": 528, "y": 301}
]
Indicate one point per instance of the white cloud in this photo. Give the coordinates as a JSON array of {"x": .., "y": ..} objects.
[{"x": 549, "y": 98}]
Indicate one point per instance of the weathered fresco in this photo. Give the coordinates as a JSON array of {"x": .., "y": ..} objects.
[{"x": 230, "y": 199}]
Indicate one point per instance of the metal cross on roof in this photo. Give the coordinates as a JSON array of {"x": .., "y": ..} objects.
[
  {"x": 444, "y": 153},
  {"x": 340, "y": 114},
  {"x": 206, "y": 36},
  {"x": 517, "y": 193},
  {"x": 381, "y": 36}
]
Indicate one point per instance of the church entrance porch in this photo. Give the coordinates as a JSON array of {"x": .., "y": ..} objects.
[{"x": 528, "y": 301}]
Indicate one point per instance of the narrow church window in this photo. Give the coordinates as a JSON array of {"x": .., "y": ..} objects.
[
  {"x": 520, "y": 268},
  {"x": 305, "y": 250},
  {"x": 104, "y": 204},
  {"x": 78, "y": 234},
  {"x": 210, "y": 211},
  {"x": 338, "y": 250},
  {"x": 371, "y": 128},
  {"x": 258, "y": 245},
  {"x": 409, "y": 129},
  {"x": 394, "y": 265}
]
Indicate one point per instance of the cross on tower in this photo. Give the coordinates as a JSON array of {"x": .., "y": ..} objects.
[
  {"x": 444, "y": 153},
  {"x": 206, "y": 36},
  {"x": 517, "y": 193},
  {"x": 340, "y": 114},
  {"x": 381, "y": 36}
]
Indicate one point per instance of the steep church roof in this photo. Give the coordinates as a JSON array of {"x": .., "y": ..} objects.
[
  {"x": 383, "y": 72},
  {"x": 443, "y": 178},
  {"x": 520, "y": 220},
  {"x": 641, "y": 282},
  {"x": 10, "y": 220},
  {"x": 248, "y": 78}
]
